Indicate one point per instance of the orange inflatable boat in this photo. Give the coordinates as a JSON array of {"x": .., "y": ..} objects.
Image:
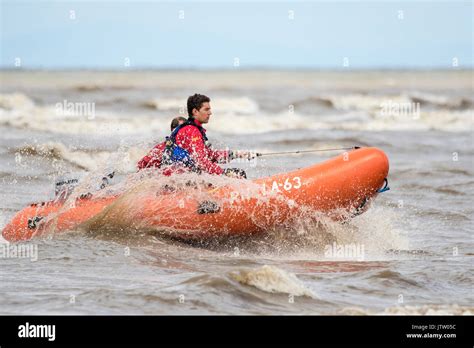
[{"x": 339, "y": 185}]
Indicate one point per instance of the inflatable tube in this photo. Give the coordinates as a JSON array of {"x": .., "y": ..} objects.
[{"x": 341, "y": 184}]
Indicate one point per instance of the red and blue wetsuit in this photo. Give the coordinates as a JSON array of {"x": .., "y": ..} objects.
[
  {"x": 190, "y": 137},
  {"x": 154, "y": 158}
]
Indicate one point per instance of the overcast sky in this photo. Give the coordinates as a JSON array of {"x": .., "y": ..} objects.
[{"x": 272, "y": 34}]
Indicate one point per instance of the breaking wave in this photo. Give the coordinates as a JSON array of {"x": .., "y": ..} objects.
[
  {"x": 368, "y": 102},
  {"x": 274, "y": 280},
  {"x": 441, "y": 309},
  {"x": 234, "y": 116},
  {"x": 233, "y": 106},
  {"x": 15, "y": 101},
  {"x": 89, "y": 160}
]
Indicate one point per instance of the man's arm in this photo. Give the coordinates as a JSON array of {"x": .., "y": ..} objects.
[
  {"x": 190, "y": 138},
  {"x": 225, "y": 156},
  {"x": 219, "y": 156}
]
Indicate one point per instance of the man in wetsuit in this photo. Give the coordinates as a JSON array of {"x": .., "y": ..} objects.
[
  {"x": 154, "y": 158},
  {"x": 191, "y": 140}
]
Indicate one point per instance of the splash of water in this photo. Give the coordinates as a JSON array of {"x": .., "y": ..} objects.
[{"x": 273, "y": 279}]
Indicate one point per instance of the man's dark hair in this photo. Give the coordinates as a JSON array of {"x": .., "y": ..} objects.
[
  {"x": 195, "y": 102},
  {"x": 175, "y": 122}
]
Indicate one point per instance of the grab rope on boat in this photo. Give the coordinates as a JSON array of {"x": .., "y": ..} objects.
[
  {"x": 385, "y": 187},
  {"x": 360, "y": 209}
]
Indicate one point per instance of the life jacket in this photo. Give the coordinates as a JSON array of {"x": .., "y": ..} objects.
[{"x": 175, "y": 154}]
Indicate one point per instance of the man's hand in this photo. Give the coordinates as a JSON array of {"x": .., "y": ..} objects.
[
  {"x": 249, "y": 155},
  {"x": 235, "y": 173}
]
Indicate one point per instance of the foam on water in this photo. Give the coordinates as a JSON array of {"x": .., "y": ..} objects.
[
  {"x": 239, "y": 116},
  {"x": 15, "y": 101},
  {"x": 122, "y": 160},
  {"x": 274, "y": 280},
  {"x": 442, "y": 309},
  {"x": 220, "y": 105}
]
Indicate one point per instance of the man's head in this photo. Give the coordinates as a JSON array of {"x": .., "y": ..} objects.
[
  {"x": 199, "y": 107},
  {"x": 176, "y": 122}
]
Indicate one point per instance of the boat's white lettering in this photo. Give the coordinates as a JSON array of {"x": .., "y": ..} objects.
[{"x": 288, "y": 185}]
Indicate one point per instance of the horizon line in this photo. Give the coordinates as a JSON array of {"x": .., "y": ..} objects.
[{"x": 249, "y": 68}]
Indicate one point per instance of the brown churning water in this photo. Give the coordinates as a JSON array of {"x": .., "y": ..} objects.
[{"x": 410, "y": 253}]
